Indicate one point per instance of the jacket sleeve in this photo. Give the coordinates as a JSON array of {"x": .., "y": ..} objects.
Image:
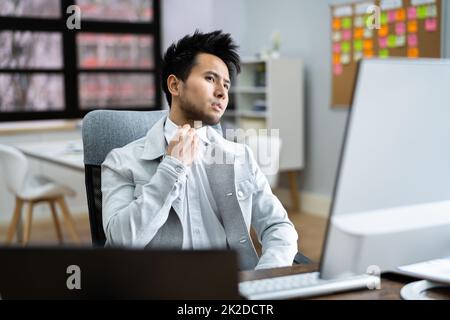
[
  {"x": 134, "y": 222},
  {"x": 275, "y": 231}
]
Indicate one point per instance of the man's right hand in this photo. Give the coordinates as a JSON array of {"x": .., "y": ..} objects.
[{"x": 184, "y": 145}]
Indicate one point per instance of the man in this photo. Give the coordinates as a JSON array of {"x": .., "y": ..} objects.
[{"x": 163, "y": 191}]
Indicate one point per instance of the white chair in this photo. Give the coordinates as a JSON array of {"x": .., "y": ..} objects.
[
  {"x": 32, "y": 190},
  {"x": 266, "y": 150}
]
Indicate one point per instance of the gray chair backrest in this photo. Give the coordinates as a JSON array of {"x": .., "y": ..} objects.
[{"x": 104, "y": 130}]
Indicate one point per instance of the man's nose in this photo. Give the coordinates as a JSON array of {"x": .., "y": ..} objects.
[{"x": 220, "y": 91}]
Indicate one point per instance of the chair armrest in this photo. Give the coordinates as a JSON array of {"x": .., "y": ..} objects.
[{"x": 301, "y": 259}]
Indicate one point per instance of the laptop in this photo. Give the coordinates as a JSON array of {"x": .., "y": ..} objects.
[{"x": 111, "y": 273}]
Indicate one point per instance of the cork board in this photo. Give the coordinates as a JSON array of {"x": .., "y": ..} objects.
[{"x": 406, "y": 28}]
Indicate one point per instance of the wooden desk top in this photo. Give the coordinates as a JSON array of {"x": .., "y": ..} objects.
[
  {"x": 22, "y": 127},
  {"x": 391, "y": 284}
]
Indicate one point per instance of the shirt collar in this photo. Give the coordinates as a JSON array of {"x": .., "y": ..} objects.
[
  {"x": 170, "y": 130},
  {"x": 156, "y": 142}
]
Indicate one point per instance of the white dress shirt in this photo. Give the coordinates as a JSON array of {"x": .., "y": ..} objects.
[{"x": 202, "y": 228}]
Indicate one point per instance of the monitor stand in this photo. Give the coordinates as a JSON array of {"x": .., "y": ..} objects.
[{"x": 418, "y": 291}]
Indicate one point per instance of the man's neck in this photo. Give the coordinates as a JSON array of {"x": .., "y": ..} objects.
[{"x": 180, "y": 120}]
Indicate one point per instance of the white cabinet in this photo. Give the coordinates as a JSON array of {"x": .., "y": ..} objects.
[{"x": 268, "y": 94}]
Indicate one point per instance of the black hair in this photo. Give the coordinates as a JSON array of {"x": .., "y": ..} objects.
[{"x": 180, "y": 57}]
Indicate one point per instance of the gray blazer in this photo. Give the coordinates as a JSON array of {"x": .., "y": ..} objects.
[{"x": 139, "y": 208}]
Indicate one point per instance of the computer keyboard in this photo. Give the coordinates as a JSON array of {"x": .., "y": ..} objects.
[{"x": 302, "y": 285}]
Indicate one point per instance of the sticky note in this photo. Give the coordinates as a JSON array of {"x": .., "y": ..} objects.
[
  {"x": 412, "y": 26},
  {"x": 412, "y": 40},
  {"x": 368, "y": 33},
  {"x": 431, "y": 25},
  {"x": 358, "y": 55},
  {"x": 412, "y": 13},
  {"x": 336, "y": 24},
  {"x": 392, "y": 16},
  {"x": 392, "y": 41},
  {"x": 337, "y": 36},
  {"x": 368, "y": 45},
  {"x": 336, "y": 58},
  {"x": 383, "y": 31},
  {"x": 337, "y": 48},
  {"x": 432, "y": 11},
  {"x": 384, "y": 53},
  {"x": 422, "y": 12},
  {"x": 346, "y": 35},
  {"x": 383, "y": 18},
  {"x": 346, "y": 23},
  {"x": 345, "y": 58},
  {"x": 382, "y": 42},
  {"x": 400, "y": 28},
  {"x": 345, "y": 47},
  {"x": 368, "y": 54},
  {"x": 413, "y": 52},
  {"x": 358, "y": 45},
  {"x": 359, "y": 22},
  {"x": 400, "y": 15},
  {"x": 401, "y": 41},
  {"x": 359, "y": 33},
  {"x": 338, "y": 69}
]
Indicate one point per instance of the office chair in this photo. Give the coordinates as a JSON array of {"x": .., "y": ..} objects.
[
  {"x": 32, "y": 190},
  {"x": 104, "y": 130}
]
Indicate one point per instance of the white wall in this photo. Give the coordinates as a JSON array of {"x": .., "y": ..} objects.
[{"x": 181, "y": 17}]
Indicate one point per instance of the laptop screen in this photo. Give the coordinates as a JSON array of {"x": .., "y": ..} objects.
[{"x": 111, "y": 273}]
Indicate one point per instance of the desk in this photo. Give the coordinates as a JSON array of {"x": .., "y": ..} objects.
[
  {"x": 391, "y": 284},
  {"x": 67, "y": 153}
]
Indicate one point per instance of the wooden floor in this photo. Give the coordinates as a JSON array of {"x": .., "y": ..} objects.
[{"x": 311, "y": 229}]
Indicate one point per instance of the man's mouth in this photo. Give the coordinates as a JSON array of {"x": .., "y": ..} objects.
[{"x": 217, "y": 106}]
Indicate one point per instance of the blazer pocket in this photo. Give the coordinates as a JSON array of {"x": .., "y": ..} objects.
[{"x": 245, "y": 189}]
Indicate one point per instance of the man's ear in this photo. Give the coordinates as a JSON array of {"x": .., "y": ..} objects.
[{"x": 174, "y": 84}]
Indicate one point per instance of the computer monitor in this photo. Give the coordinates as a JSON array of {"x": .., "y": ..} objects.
[{"x": 391, "y": 200}]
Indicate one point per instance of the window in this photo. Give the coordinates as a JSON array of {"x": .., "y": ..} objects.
[{"x": 48, "y": 71}]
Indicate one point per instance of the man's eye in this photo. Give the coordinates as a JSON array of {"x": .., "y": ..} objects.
[{"x": 209, "y": 78}]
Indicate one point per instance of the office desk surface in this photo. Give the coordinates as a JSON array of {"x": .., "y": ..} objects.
[
  {"x": 67, "y": 153},
  {"x": 391, "y": 284}
]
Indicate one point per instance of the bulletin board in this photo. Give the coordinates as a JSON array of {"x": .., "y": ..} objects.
[{"x": 405, "y": 28}]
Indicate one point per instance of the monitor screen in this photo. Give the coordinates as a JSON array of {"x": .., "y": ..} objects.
[{"x": 393, "y": 178}]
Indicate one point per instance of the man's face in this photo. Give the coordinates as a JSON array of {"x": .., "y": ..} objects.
[{"x": 204, "y": 94}]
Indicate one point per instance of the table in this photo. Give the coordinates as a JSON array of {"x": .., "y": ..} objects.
[
  {"x": 67, "y": 153},
  {"x": 391, "y": 284}
]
